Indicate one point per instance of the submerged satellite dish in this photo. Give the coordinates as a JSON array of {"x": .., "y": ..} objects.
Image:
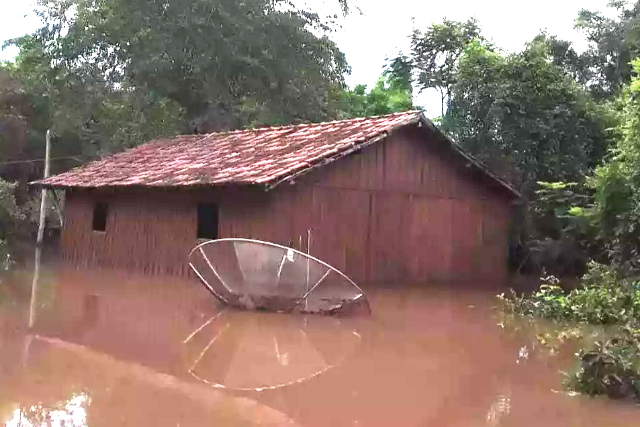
[{"x": 256, "y": 275}]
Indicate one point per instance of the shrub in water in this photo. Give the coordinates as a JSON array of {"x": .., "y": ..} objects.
[
  {"x": 612, "y": 366},
  {"x": 604, "y": 298}
]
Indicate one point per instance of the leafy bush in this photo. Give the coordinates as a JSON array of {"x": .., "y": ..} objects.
[
  {"x": 611, "y": 368},
  {"x": 605, "y": 298},
  {"x": 559, "y": 236},
  {"x": 617, "y": 186},
  {"x": 15, "y": 222}
]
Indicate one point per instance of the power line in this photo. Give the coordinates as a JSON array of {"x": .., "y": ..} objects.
[{"x": 15, "y": 162}]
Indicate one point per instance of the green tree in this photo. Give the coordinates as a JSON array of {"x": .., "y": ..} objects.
[
  {"x": 613, "y": 42},
  {"x": 225, "y": 63},
  {"x": 560, "y": 240},
  {"x": 15, "y": 223},
  {"x": 88, "y": 115},
  {"x": 398, "y": 73},
  {"x": 525, "y": 117},
  {"x": 435, "y": 54},
  {"x": 577, "y": 65},
  {"x": 392, "y": 93},
  {"x": 617, "y": 186},
  {"x": 13, "y": 124}
]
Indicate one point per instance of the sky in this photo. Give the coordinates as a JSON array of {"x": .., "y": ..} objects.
[
  {"x": 383, "y": 28},
  {"x": 16, "y": 19}
]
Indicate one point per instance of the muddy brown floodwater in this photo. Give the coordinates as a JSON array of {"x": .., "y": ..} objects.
[{"x": 115, "y": 350}]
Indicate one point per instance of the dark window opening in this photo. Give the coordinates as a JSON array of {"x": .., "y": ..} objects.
[
  {"x": 100, "y": 214},
  {"x": 207, "y": 221}
]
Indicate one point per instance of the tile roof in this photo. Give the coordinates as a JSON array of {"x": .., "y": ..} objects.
[{"x": 263, "y": 156}]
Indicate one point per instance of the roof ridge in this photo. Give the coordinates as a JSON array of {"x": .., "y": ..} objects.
[{"x": 304, "y": 125}]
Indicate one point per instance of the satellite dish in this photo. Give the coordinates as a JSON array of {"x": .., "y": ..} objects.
[{"x": 256, "y": 275}]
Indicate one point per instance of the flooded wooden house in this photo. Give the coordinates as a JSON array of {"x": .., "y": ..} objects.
[{"x": 384, "y": 199}]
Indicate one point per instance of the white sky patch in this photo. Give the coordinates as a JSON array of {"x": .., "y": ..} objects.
[
  {"x": 383, "y": 29},
  {"x": 385, "y": 26},
  {"x": 18, "y": 19}
]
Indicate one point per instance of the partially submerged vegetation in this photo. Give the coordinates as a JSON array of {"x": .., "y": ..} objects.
[
  {"x": 603, "y": 298},
  {"x": 610, "y": 359},
  {"x": 15, "y": 222}
]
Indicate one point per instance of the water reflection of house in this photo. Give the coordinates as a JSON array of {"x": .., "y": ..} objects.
[{"x": 387, "y": 199}]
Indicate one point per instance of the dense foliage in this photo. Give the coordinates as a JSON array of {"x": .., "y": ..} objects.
[
  {"x": 560, "y": 238},
  {"x": 224, "y": 63},
  {"x": 15, "y": 222},
  {"x": 87, "y": 115},
  {"x": 603, "y": 298},
  {"x": 614, "y": 43},
  {"x": 611, "y": 367},
  {"x": 524, "y": 117},
  {"x": 617, "y": 186},
  {"x": 523, "y": 114},
  {"x": 105, "y": 76}
]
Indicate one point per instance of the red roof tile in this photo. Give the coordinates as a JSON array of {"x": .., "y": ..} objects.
[{"x": 260, "y": 156}]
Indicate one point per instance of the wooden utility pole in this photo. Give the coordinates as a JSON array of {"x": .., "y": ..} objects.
[{"x": 40, "y": 239}]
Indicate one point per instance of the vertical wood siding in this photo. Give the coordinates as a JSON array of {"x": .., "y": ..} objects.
[{"x": 402, "y": 210}]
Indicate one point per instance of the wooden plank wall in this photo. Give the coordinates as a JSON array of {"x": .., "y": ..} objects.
[
  {"x": 147, "y": 232},
  {"x": 152, "y": 232},
  {"x": 402, "y": 210},
  {"x": 407, "y": 210}
]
